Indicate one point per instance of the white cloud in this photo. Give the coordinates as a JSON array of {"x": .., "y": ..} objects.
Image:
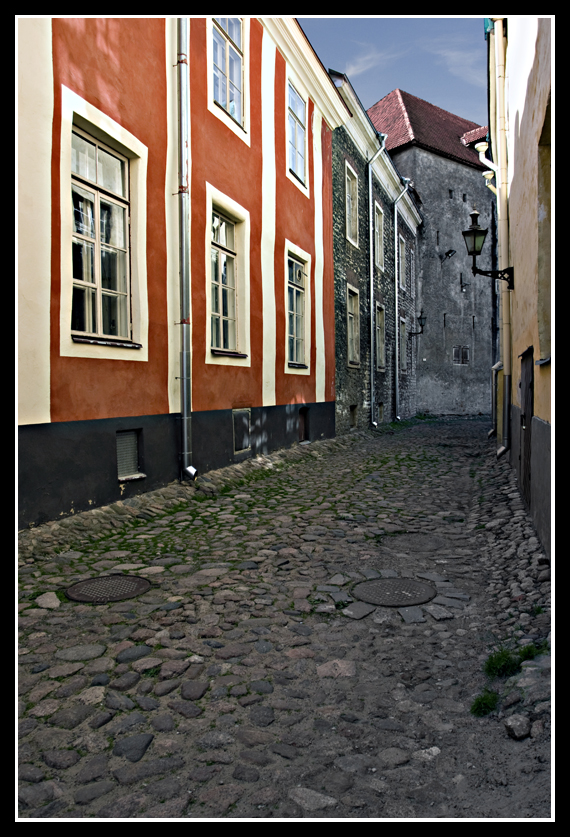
[
  {"x": 370, "y": 58},
  {"x": 464, "y": 62}
]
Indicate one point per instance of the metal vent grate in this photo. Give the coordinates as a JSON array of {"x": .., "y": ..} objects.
[
  {"x": 394, "y": 592},
  {"x": 108, "y": 588},
  {"x": 127, "y": 453}
]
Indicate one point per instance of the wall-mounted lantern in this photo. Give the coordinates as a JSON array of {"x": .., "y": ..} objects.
[
  {"x": 422, "y": 321},
  {"x": 474, "y": 240}
]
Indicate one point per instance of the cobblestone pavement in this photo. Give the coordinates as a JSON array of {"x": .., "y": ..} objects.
[{"x": 253, "y": 681}]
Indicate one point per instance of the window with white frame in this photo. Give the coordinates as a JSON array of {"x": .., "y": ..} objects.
[
  {"x": 297, "y": 118},
  {"x": 296, "y": 281},
  {"x": 100, "y": 239},
  {"x": 223, "y": 284},
  {"x": 353, "y": 324},
  {"x": 402, "y": 262},
  {"x": 403, "y": 346},
  {"x": 380, "y": 337},
  {"x": 227, "y": 57},
  {"x": 413, "y": 269},
  {"x": 351, "y": 180},
  {"x": 227, "y": 281},
  {"x": 378, "y": 236}
]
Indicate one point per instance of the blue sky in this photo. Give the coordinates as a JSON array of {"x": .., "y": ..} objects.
[{"x": 440, "y": 59}]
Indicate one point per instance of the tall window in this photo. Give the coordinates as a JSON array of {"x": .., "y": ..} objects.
[
  {"x": 403, "y": 346},
  {"x": 228, "y": 65},
  {"x": 351, "y": 205},
  {"x": 100, "y": 240},
  {"x": 223, "y": 283},
  {"x": 379, "y": 237},
  {"x": 402, "y": 262},
  {"x": 297, "y": 122},
  {"x": 296, "y": 311},
  {"x": 353, "y": 325},
  {"x": 380, "y": 337}
]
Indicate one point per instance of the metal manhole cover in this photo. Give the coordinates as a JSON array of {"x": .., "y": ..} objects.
[
  {"x": 108, "y": 588},
  {"x": 414, "y": 542},
  {"x": 394, "y": 592}
]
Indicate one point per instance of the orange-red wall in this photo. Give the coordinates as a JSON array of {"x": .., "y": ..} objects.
[{"x": 117, "y": 65}]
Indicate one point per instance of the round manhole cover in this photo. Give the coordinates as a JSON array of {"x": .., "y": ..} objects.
[
  {"x": 107, "y": 588},
  {"x": 394, "y": 592},
  {"x": 414, "y": 542}
]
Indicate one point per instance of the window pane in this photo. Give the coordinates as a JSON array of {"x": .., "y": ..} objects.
[
  {"x": 112, "y": 224},
  {"x": 115, "y": 315},
  {"x": 231, "y": 335},
  {"x": 82, "y": 258},
  {"x": 83, "y": 217},
  {"x": 234, "y": 30},
  {"x": 235, "y": 103},
  {"x": 113, "y": 270},
  {"x": 220, "y": 90},
  {"x": 291, "y": 349},
  {"x": 216, "y": 332},
  {"x": 83, "y": 312},
  {"x": 83, "y": 158},
  {"x": 111, "y": 172}
]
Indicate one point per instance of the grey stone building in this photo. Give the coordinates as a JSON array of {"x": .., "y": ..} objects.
[
  {"x": 375, "y": 224},
  {"x": 459, "y": 346}
]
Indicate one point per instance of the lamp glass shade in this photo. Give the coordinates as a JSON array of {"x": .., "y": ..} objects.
[{"x": 474, "y": 240}]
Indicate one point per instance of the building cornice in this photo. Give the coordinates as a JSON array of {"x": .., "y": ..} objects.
[{"x": 296, "y": 49}]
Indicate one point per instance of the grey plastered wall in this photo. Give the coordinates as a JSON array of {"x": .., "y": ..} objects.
[{"x": 449, "y": 191}]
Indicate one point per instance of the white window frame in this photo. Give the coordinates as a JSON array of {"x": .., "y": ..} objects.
[
  {"x": 297, "y": 122},
  {"x": 241, "y": 130},
  {"x": 217, "y": 201},
  {"x": 351, "y": 203},
  {"x": 294, "y": 81},
  {"x": 378, "y": 236},
  {"x": 402, "y": 261},
  {"x": 352, "y": 325},
  {"x": 403, "y": 346},
  {"x": 90, "y": 236},
  {"x": 77, "y": 113},
  {"x": 301, "y": 257},
  {"x": 380, "y": 326},
  {"x": 412, "y": 269},
  {"x": 223, "y": 295}
]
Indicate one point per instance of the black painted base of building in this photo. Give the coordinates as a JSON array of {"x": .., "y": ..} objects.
[
  {"x": 539, "y": 500},
  {"x": 68, "y": 467}
]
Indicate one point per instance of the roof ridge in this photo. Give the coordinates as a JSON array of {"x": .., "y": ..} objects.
[
  {"x": 436, "y": 107},
  {"x": 409, "y": 127}
]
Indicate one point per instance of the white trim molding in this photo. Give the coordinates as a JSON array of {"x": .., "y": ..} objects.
[{"x": 75, "y": 110}]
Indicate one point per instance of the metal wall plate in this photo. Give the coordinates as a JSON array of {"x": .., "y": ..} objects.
[
  {"x": 108, "y": 588},
  {"x": 394, "y": 592}
]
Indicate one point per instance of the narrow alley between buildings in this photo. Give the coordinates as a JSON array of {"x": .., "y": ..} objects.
[{"x": 313, "y": 630}]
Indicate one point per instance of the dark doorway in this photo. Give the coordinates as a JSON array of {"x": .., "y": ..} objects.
[{"x": 527, "y": 412}]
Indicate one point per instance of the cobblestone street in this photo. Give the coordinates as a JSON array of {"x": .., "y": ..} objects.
[{"x": 254, "y": 680}]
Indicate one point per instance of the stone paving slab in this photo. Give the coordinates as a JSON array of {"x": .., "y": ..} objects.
[{"x": 246, "y": 683}]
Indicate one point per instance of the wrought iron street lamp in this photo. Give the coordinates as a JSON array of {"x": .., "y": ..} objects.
[
  {"x": 422, "y": 321},
  {"x": 474, "y": 240}
]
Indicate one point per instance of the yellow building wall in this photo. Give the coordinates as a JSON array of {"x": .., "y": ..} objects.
[{"x": 528, "y": 91}]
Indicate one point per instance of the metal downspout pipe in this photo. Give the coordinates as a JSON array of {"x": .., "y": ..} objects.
[
  {"x": 185, "y": 456},
  {"x": 382, "y": 138},
  {"x": 502, "y": 187},
  {"x": 407, "y": 181}
]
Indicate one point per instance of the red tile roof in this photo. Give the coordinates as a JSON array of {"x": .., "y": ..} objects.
[{"x": 407, "y": 119}]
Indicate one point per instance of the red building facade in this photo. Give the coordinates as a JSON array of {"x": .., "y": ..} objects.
[{"x": 100, "y": 315}]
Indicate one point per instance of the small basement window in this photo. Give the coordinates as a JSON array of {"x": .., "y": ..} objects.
[
  {"x": 128, "y": 455},
  {"x": 242, "y": 430}
]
